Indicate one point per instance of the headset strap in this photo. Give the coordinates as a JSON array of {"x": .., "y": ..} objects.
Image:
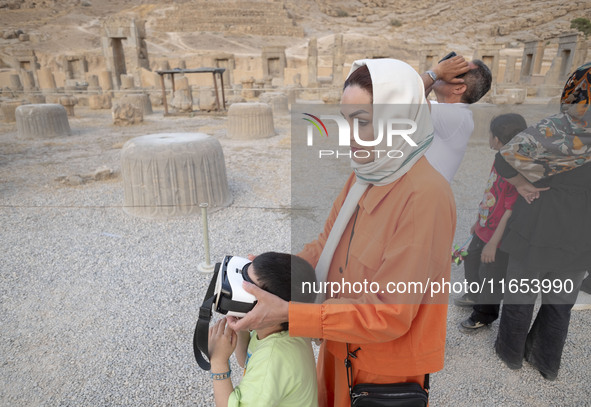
[{"x": 200, "y": 337}]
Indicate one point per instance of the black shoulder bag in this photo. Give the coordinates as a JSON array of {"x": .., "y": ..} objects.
[{"x": 385, "y": 395}]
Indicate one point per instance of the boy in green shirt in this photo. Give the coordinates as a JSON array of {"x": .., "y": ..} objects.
[{"x": 279, "y": 370}]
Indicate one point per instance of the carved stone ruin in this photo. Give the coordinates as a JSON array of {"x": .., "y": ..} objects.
[
  {"x": 42, "y": 121},
  {"x": 127, "y": 82},
  {"x": 97, "y": 102},
  {"x": 489, "y": 54},
  {"x": 182, "y": 99},
  {"x": 338, "y": 59},
  {"x": 278, "y": 102},
  {"x": 46, "y": 81},
  {"x": 247, "y": 121},
  {"x": 15, "y": 83},
  {"x": 8, "y": 109},
  {"x": 171, "y": 174},
  {"x": 274, "y": 62},
  {"x": 68, "y": 103},
  {"x": 313, "y": 63},
  {"x": 531, "y": 62},
  {"x": 248, "y": 88},
  {"x": 572, "y": 51},
  {"x": 125, "y": 114},
  {"x": 140, "y": 101},
  {"x": 105, "y": 81},
  {"x": 124, "y": 47},
  {"x": 429, "y": 56}
]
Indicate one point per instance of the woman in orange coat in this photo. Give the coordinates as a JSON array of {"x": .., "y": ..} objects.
[{"x": 392, "y": 227}]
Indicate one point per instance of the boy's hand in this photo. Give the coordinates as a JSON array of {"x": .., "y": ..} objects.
[
  {"x": 488, "y": 253},
  {"x": 222, "y": 342}
]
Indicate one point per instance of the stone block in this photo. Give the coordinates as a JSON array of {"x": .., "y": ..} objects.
[
  {"x": 42, "y": 121},
  {"x": 125, "y": 114},
  {"x": 171, "y": 174},
  {"x": 247, "y": 121}
]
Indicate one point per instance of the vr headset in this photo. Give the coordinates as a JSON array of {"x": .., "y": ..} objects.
[{"x": 225, "y": 295}]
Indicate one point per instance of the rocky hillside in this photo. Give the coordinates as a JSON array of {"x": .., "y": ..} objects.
[{"x": 58, "y": 27}]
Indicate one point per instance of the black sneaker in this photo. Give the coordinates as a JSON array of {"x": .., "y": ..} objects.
[
  {"x": 464, "y": 301},
  {"x": 469, "y": 325}
]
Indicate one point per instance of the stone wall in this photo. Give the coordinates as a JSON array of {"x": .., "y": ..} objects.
[{"x": 232, "y": 17}]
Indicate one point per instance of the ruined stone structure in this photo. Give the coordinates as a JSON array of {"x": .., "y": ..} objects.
[
  {"x": 274, "y": 62},
  {"x": 68, "y": 102},
  {"x": 232, "y": 17},
  {"x": 172, "y": 174},
  {"x": 338, "y": 60},
  {"x": 248, "y": 121},
  {"x": 75, "y": 67},
  {"x": 429, "y": 55},
  {"x": 489, "y": 54},
  {"x": 42, "y": 121},
  {"x": 572, "y": 51},
  {"x": 124, "y": 47},
  {"x": 531, "y": 61},
  {"x": 125, "y": 114},
  {"x": 313, "y": 63},
  {"x": 278, "y": 102},
  {"x": 8, "y": 109},
  {"x": 46, "y": 81}
]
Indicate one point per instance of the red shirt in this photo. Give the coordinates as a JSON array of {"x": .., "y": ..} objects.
[{"x": 499, "y": 196}]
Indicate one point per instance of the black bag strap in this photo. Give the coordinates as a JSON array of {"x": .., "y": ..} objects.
[
  {"x": 349, "y": 367},
  {"x": 200, "y": 337}
]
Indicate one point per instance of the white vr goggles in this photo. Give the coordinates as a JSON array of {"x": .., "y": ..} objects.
[{"x": 225, "y": 295}]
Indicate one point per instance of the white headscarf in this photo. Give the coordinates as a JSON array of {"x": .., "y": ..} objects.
[{"x": 398, "y": 92}]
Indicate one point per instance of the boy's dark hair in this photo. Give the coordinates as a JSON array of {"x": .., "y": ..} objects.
[
  {"x": 506, "y": 126},
  {"x": 282, "y": 274},
  {"x": 478, "y": 82}
]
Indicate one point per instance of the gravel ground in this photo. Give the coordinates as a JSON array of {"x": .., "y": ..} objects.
[{"x": 98, "y": 307}]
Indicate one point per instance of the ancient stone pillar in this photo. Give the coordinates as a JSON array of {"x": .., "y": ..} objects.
[
  {"x": 42, "y": 121},
  {"x": 248, "y": 88},
  {"x": 15, "y": 83},
  {"x": 105, "y": 81},
  {"x": 8, "y": 110},
  {"x": 313, "y": 63},
  {"x": 277, "y": 100},
  {"x": 46, "y": 81},
  {"x": 509, "y": 76},
  {"x": 28, "y": 80},
  {"x": 338, "y": 60},
  {"x": 127, "y": 82},
  {"x": 68, "y": 102},
  {"x": 102, "y": 101},
  {"x": 140, "y": 100},
  {"x": 171, "y": 174},
  {"x": 248, "y": 121},
  {"x": 182, "y": 98}
]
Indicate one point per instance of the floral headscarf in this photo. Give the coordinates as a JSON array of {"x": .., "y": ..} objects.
[{"x": 558, "y": 143}]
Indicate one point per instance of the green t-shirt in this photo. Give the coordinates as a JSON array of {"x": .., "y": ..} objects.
[{"x": 280, "y": 371}]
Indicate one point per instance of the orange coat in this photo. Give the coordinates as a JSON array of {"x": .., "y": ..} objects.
[{"x": 403, "y": 233}]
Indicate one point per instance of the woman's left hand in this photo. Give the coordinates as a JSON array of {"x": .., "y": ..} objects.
[{"x": 269, "y": 311}]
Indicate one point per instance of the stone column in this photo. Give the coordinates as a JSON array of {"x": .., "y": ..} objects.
[
  {"x": 338, "y": 60},
  {"x": 313, "y": 63},
  {"x": 46, "y": 81},
  {"x": 105, "y": 81}
]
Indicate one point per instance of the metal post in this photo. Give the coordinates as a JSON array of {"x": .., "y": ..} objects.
[{"x": 205, "y": 267}]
